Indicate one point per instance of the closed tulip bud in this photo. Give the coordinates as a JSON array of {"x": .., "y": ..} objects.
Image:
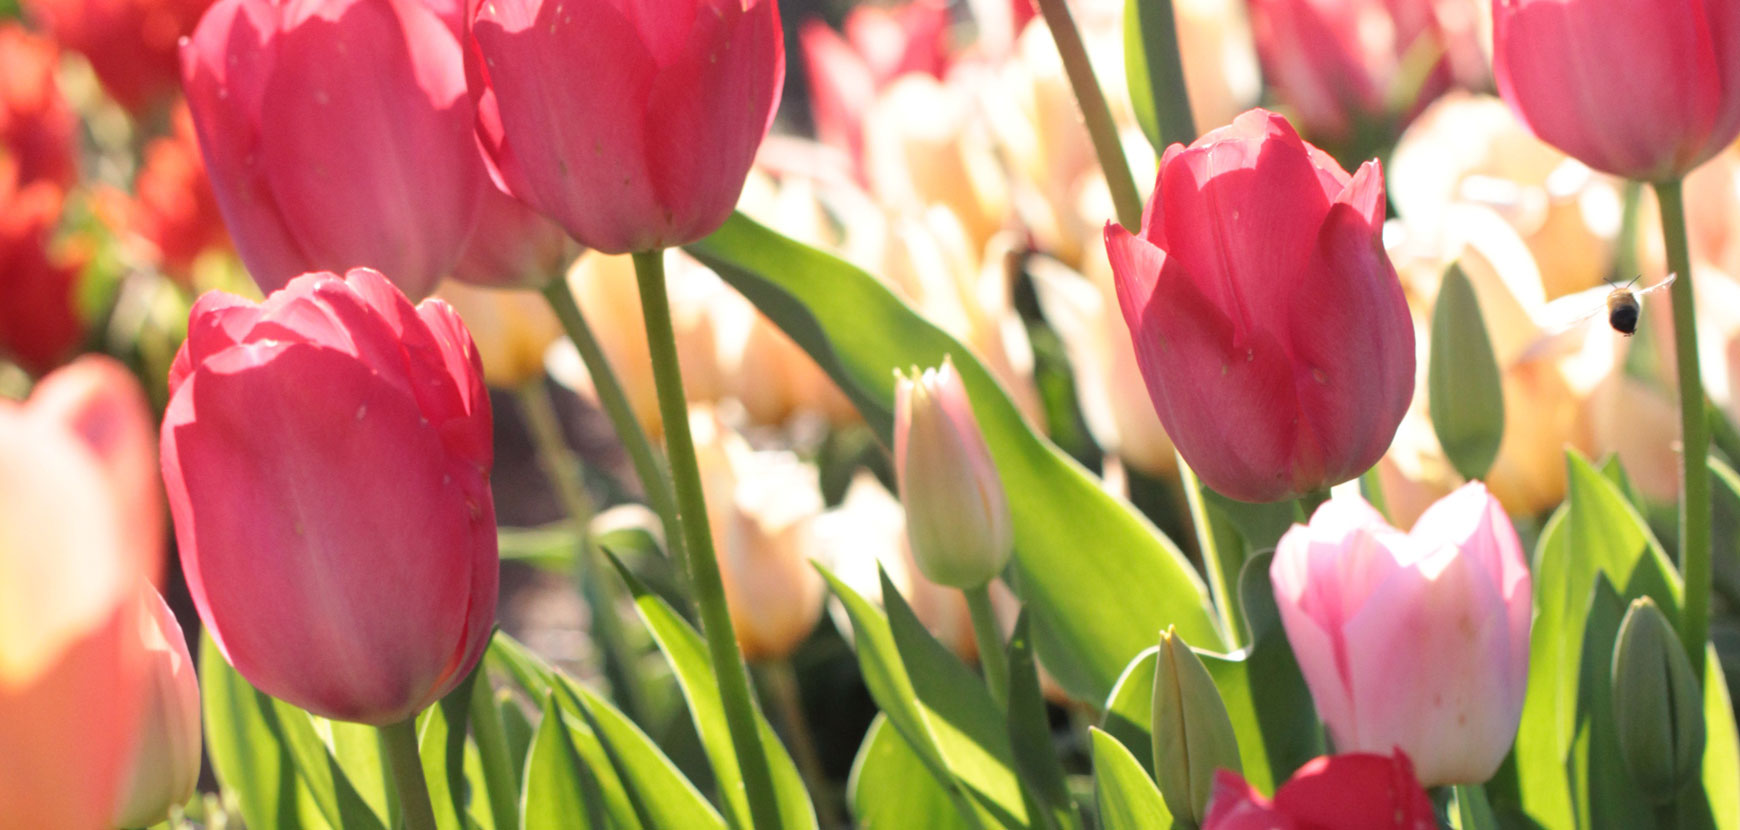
[
  {"x": 327, "y": 454},
  {"x": 1193, "y": 735},
  {"x": 1418, "y": 640},
  {"x": 632, "y": 125},
  {"x": 1657, "y": 704},
  {"x": 1676, "y": 104},
  {"x": 1267, "y": 320},
  {"x": 957, "y": 517},
  {"x": 165, "y": 765},
  {"x": 1344, "y": 792},
  {"x": 337, "y": 134},
  {"x": 75, "y": 466}
]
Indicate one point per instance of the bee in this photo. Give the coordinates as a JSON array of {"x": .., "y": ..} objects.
[{"x": 1622, "y": 306}]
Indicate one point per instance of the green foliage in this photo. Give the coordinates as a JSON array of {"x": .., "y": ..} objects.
[
  {"x": 1127, "y": 797},
  {"x": 892, "y": 789},
  {"x": 1464, "y": 389}
]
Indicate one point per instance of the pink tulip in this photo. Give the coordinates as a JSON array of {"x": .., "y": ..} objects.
[
  {"x": 513, "y": 245},
  {"x": 632, "y": 125},
  {"x": 74, "y": 476},
  {"x": 1646, "y": 89},
  {"x": 337, "y": 134},
  {"x": 1415, "y": 640},
  {"x": 166, "y": 757},
  {"x": 327, "y": 454},
  {"x": 1356, "y": 791},
  {"x": 957, "y": 517},
  {"x": 1268, "y": 322},
  {"x": 879, "y": 45}
]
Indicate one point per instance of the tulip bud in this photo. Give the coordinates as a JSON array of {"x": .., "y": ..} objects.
[
  {"x": 327, "y": 455},
  {"x": 1418, "y": 640},
  {"x": 1193, "y": 735},
  {"x": 166, "y": 759},
  {"x": 957, "y": 517},
  {"x": 1657, "y": 704},
  {"x": 1268, "y": 322}
]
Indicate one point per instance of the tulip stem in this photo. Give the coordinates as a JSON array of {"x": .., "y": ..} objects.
[
  {"x": 703, "y": 564},
  {"x": 562, "y": 468},
  {"x": 1095, "y": 113},
  {"x": 781, "y": 682},
  {"x": 1309, "y": 502},
  {"x": 399, "y": 742},
  {"x": 989, "y": 636},
  {"x": 500, "y": 779},
  {"x": 1694, "y": 434},
  {"x": 654, "y": 480}
]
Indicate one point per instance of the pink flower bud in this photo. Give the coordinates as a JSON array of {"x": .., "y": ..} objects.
[
  {"x": 1414, "y": 640},
  {"x": 165, "y": 761},
  {"x": 632, "y": 125},
  {"x": 337, "y": 134},
  {"x": 327, "y": 454},
  {"x": 1646, "y": 89},
  {"x": 1267, "y": 319},
  {"x": 957, "y": 517}
]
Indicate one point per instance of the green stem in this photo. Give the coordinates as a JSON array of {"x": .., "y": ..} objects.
[
  {"x": 1095, "y": 113},
  {"x": 1474, "y": 811},
  {"x": 703, "y": 565},
  {"x": 1694, "y": 434},
  {"x": 399, "y": 742},
  {"x": 1223, "y": 573},
  {"x": 989, "y": 636},
  {"x": 653, "y": 479},
  {"x": 782, "y": 686},
  {"x": 562, "y": 467},
  {"x": 1309, "y": 502},
  {"x": 500, "y": 777}
]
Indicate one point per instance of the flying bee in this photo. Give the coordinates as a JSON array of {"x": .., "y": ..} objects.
[{"x": 1622, "y": 305}]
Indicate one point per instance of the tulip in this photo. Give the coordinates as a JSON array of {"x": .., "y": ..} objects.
[
  {"x": 1355, "y": 791},
  {"x": 845, "y": 73},
  {"x": 75, "y": 467},
  {"x": 1416, "y": 640},
  {"x": 512, "y": 245},
  {"x": 39, "y": 319},
  {"x": 512, "y": 330},
  {"x": 956, "y": 514},
  {"x": 131, "y": 44},
  {"x": 175, "y": 213},
  {"x": 1193, "y": 735},
  {"x": 37, "y": 128},
  {"x": 1268, "y": 322},
  {"x": 1645, "y": 89},
  {"x": 337, "y": 134},
  {"x": 165, "y": 762},
  {"x": 327, "y": 454},
  {"x": 1658, "y": 707},
  {"x": 632, "y": 125}
]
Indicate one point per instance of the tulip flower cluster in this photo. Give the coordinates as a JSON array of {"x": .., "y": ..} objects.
[{"x": 454, "y": 385}]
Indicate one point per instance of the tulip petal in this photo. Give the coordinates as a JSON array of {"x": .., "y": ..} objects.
[
  {"x": 330, "y": 590},
  {"x": 1236, "y": 805},
  {"x": 1368, "y": 791}
]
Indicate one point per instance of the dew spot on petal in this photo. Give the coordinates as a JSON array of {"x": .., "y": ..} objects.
[
  {"x": 361, "y": 411},
  {"x": 1320, "y": 376}
]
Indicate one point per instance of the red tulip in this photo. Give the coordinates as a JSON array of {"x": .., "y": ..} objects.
[
  {"x": 1646, "y": 89},
  {"x": 175, "y": 212},
  {"x": 632, "y": 125},
  {"x": 75, "y": 465},
  {"x": 39, "y": 321},
  {"x": 337, "y": 134},
  {"x": 1268, "y": 322},
  {"x": 327, "y": 454},
  {"x": 879, "y": 45},
  {"x": 130, "y": 43},
  {"x": 512, "y": 245},
  {"x": 1356, "y": 791},
  {"x": 37, "y": 128}
]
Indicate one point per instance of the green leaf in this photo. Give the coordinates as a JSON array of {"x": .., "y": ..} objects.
[
  {"x": 891, "y": 789},
  {"x": 560, "y": 792},
  {"x": 1091, "y": 613},
  {"x": 1155, "y": 71},
  {"x": 441, "y": 745},
  {"x": 1464, "y": 389},
  {"x": 1721, "y": 749},
  {"x": 1605, "y": 793},
  {"x": 246, "y": 753},
  {"x": 319, "y": 770},
  {"x": 1030, "y": 733},
  {"x": 687, "y": 652},
  {"x": 661, "y": 796},
  {"x": 1127, "y": 796},
  {"x": 529, "y": 673},
  {"x": 550, "y": 547}
]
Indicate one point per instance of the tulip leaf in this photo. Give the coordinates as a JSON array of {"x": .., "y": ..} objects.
[
  {"x": 529, "y": 673},
  {"x": 1721, "y": 748},
  {"x": 441, "y": 745},
  {"x": 687, "y": 652},
  {"x": 1030, "y": 732},
  {"x": 247, "y": 755},
  {"x": 560, "y": 791},
  {"x": 661, "y": 796},
  {"x": 339, "y": 802},
  {"x": 1126, "y": 795},
  {"x": 1091, "y": 613},
  {"x": 1464, "y": 390},
  {"x": 891, "y": 789},
  {"x": 1154, "y": 69}
]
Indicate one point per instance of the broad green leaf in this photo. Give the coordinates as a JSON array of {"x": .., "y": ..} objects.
[
  {"x": 246, "y": 753},
  {"x": 441, "y": 745},
  {"x": 687, "y": 653},
  {"x": 891, "y": 789},
  {"x": 1030, "y": 733},
  {"x": 560, "y": 792},
  {"x": 1464, "y": 391},
  {"x": 662, "y": 797},
  {"x": 1155, "y": 73},
  {"x": 1096, "y": 575},
  {"x": 529, "y": 673},
  {"x": 1127, "y": 796},
  {"x": 338, "y": 799},
  {"x": 1722, "y": 749}
]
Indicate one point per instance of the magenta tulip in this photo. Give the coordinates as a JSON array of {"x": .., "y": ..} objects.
[
  {"x": 1646, "y": 89},
  {"x": 1268, "y": 322},
  {"x": 338, "y": 135},
  {"x": 632, "y": 125},
  {"x": 1416, "y": 640},
  {"x": 1356, "y": 791},
  {"x": 327, "y": 455}
]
